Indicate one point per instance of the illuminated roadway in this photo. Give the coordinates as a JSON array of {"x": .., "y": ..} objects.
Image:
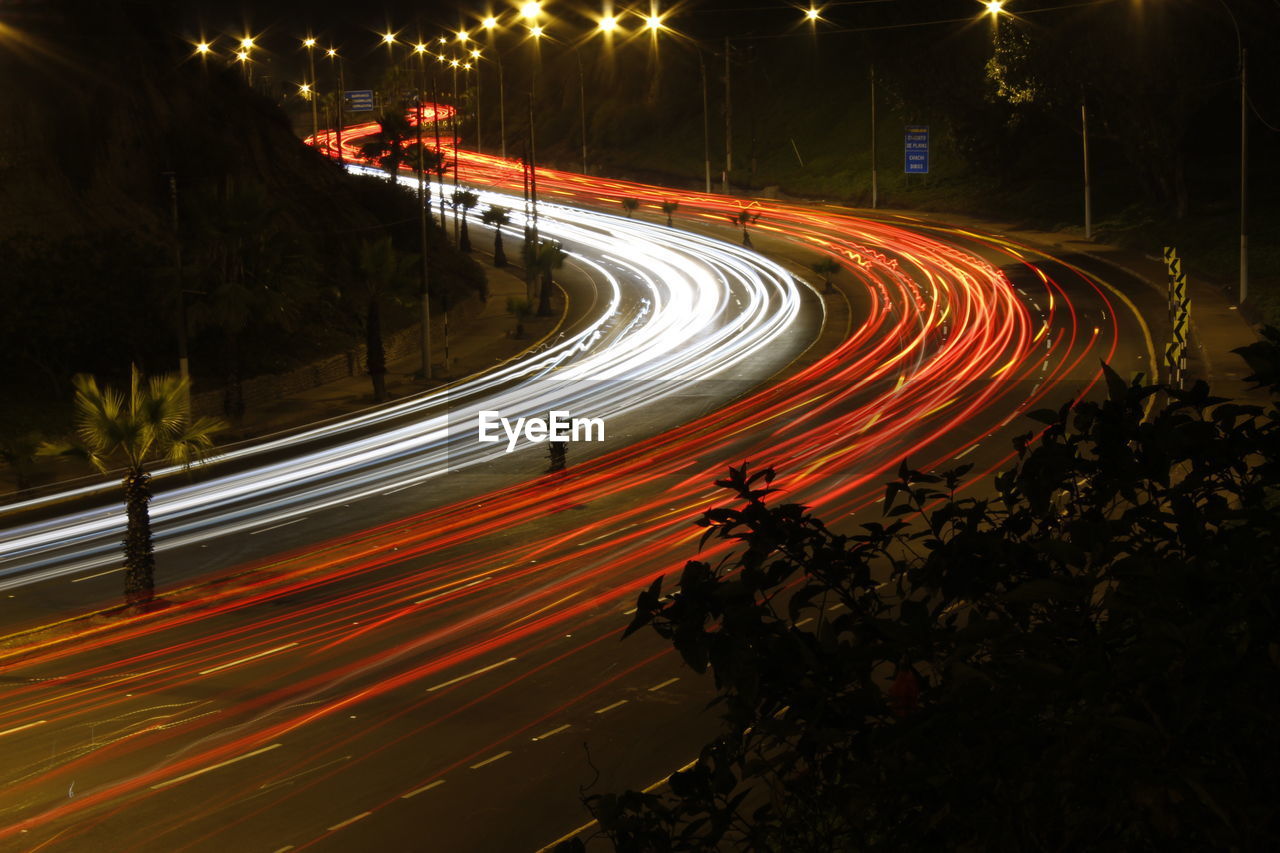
[{"x": 437, "y": 666}]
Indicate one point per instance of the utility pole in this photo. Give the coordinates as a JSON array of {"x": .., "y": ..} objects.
[
  {"x": 706, "y": 121},
  {"x": 728, "y": 119},
  {"x": 874, "y": 187},
  {"x": 1088, "y": 204}
]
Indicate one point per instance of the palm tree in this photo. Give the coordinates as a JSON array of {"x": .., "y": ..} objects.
[
  {"x": 518, "y": 307},
  {"x": 743, "y": 218},
  {"x": 826, "y": 267},
  {"x": 630, "y": 205},
  {"x": 382, "y": 272},
  {"x": 387, "y": 146},
  {"x": 466, "y": 200},
  {"x": 670, "y": 207},
  {"x": 548, "y": 258},
  {"x": 497, "y": 216},
  {"x": 153, "y": 421}
]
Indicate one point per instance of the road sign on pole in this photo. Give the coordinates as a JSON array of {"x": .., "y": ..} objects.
[
  {"x": 916, "y": 150},
  {"x": 359, "y": 100}
]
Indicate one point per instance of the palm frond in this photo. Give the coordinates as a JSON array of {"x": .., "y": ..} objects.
[{"x": 193, "y": 442}]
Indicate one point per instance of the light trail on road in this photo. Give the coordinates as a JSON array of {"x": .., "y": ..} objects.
[{"x": 428, "y": 635}]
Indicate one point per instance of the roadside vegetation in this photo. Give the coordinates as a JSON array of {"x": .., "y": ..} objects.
[{"x": 1084, "y": 659}]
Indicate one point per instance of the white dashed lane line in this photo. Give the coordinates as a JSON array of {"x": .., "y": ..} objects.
[
  {"x": 481, "y": 671},
  {"x": 666, "y": 683},
  {"x": 491, "y": 759},
  {"x": 427, "y": 787}
]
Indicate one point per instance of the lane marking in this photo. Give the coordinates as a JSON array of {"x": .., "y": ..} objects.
[
  {"x": 246, "y": 660},
  {"x": 500, "y": 755},
  {"x": 286, "y": 780},
  {"x": 427, "y": 787},
  {"x": 666, "y": 683},
  {"x": 349, "y": 821},
  {"x": 445, "y": 589},
  {"x": 402, "y": 488},
  {"x": 220, "y": 764},
  {"x": 285, "y": 848},
  {"x": 480, "y": 671},
  {"x": 804, "y": 621},
  {"x": 607, "y": 708},
  {"x": 278, "y": 526},
  {"x": 98, "y": 575},
  {"x": 967, "y": 452},
  {"x": 543, "y": 609},
  {"x": 554, "y": 731},
  {"x": 592, "y": 823},
  {"x": 21, "y": 728}
]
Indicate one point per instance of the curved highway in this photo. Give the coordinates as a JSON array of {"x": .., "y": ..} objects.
[{"x": 437, "y": 666}]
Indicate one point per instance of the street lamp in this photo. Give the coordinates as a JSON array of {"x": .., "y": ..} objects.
[
  {"x": 312, "y": 89},
  {"x": 994, "y": 7},
  {"x": 424, "y": 294},
  {"x": 530, "y": 11},
  {"x": 335, "y": 61}
]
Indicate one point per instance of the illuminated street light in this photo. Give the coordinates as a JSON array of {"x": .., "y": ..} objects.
[
  {"x": 653, "y": 22},
  {"x": 536, "y": 31},
  {"x": 331, "y": 53},
  {"x": 246, "y": 43},
  {"x": 475, "y": 54},
  {"x": 304, "y": 89},
  {"x": 463, "y": 35},
  {"x": 242, "y": 55},
  {"x": 994, "y": 7},
  {"x": 443, "y": 40},
  {"x": 419, "y": 48},
  {"x": 389, "y": 38},
  {"x": 812, "y": 13},
  {"x": 310, "y": 44},
  {"x": 203, "y": 48},
  {"x": 489, "y": 22},
  {"x": 608, "y": 24},
  {"x": 530, "y": 11}
]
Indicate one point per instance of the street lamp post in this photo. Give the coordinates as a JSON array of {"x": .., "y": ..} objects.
[
  {"x": 874, "y": 188},
  {"x": 1088, "y": 201},
  {"x": 424, "y": 293},
  {"x": 335, "y": 61},
  {"x": 728, "y": 119},
  {"x": 706, "y": 121},
  {"x": 310, "y": 44}
]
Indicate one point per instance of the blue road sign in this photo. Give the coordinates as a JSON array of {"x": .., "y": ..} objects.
[
  {"x": 916, "y": 150},
  {"x": 359, "y": 100}
]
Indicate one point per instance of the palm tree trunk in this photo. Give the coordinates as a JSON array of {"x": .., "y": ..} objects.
[
  {"x": 139, "y": 552},
  {"x": 544, "y": 298},
  {"x": 499, "y": 253},
  {"x": 375, "y": 354},
  {"x": 464, "y": 238}
]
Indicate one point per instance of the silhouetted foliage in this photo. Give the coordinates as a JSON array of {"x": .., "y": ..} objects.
[{"x": 1086, "y": 660}]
